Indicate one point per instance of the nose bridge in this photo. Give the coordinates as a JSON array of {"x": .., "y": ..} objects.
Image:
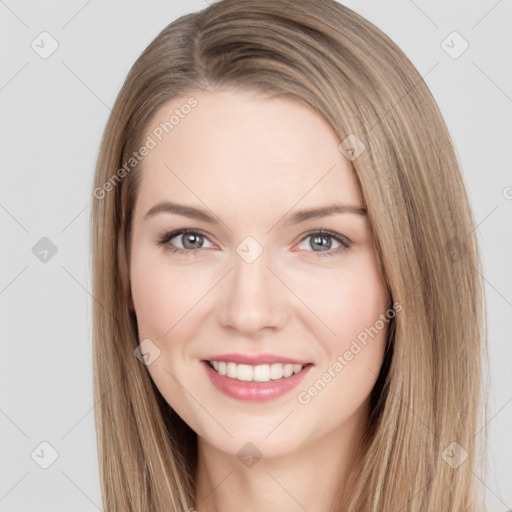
[{"x": 253, "y": 297}]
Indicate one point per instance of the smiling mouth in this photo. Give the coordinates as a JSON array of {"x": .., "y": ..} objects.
[{"x": 256, "y": 373}]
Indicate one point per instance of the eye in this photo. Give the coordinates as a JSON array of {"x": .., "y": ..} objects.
[
  {"x": 191, "y": 240},
  {"x": 322, "y": 240}
]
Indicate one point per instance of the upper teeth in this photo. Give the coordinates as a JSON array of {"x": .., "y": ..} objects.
[{"x": 260, "y": 373}]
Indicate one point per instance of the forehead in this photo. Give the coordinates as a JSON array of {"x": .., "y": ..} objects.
[{"x": 243, "y": 148}]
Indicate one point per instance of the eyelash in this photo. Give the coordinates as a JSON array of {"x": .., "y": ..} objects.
[{"x": 164, "y": 241}]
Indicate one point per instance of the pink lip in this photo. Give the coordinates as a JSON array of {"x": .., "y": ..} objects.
[
  {"x": 254, "y": 391},
  {"x": 256, "y": 359}
]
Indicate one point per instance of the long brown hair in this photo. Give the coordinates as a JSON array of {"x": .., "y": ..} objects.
[{"x": 420, "y": 446}]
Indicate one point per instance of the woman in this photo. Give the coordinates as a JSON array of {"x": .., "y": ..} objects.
[{"x": 291, "y": 311}]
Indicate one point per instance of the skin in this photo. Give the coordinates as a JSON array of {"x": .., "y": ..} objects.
[{"x": 252, "y": 161}]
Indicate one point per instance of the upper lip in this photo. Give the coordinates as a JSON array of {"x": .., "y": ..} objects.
[{"x": 256, "y": 359}]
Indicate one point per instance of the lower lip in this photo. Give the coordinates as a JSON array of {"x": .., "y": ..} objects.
[{"x": 255, "y": 391}]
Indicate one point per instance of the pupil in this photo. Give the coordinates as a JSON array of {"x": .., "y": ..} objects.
[
  {"x": 317, "y": 238},
  {"x": 191, "y": 237}
]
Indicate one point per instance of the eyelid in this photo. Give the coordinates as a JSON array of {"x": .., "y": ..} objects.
[
  {"x": 346, "y": 243},
  {"x": 165, "y": 238}
]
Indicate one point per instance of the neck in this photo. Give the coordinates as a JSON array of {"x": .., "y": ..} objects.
[{"x": 307, "y": 478}]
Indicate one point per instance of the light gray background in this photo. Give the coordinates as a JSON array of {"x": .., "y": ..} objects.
[{"x": 53, "y": 114}]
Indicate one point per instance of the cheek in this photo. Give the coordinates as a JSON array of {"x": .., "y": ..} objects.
[
  {"x": 165, "y": 296},
  {"x": 153, "y": 291},
  {"x": 351, "y": 304},
  {"x": 350, "y": 300}
]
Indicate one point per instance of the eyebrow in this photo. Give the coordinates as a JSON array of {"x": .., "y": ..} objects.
[{"x": 296, "y": 218}]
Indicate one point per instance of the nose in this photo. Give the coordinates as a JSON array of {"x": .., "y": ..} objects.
[{"x": 253, "y": 299}]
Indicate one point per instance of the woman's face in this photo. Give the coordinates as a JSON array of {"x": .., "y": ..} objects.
[{"x": 253, "y": 281}]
